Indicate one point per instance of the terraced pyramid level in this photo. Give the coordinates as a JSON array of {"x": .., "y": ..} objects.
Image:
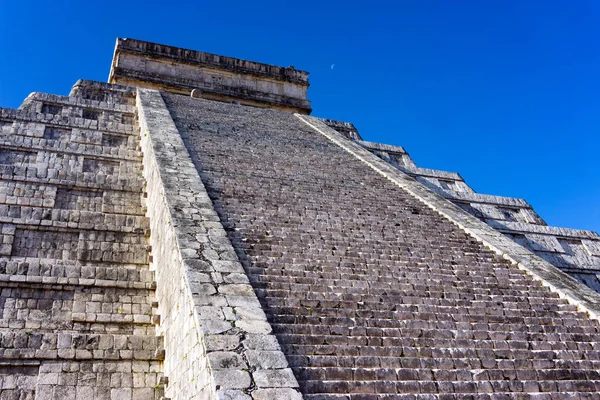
[{"x": 77, "y": 318}]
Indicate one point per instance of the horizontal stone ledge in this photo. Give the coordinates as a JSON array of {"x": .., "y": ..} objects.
[
  {"x": 69, "y": 226},
  {"x": 11, "y": 146},
  {"x": 78, "y": 101},
  {"x": 33, "y": 104},
  {"x": 524, "y": 228},
  {"x": 75, "y": 185},
  {"x": 51, "y": 280},
  {"x": 19, "y": 363},
  {"x": 464, "y": 197},
  {"x": 114, "y": 318},
  {"x": 68, "y": 122},
  {"x": 432, "y": 173},
  {"x": 66, "y": 287},
  {"x": 81, "y": 355},
  {"x": 73, "y": 179},
  {"x": 79, "y": 341}
]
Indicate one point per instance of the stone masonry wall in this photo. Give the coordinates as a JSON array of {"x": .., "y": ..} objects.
[
  {"x": 177, "y": 70},
  {"x": 185, "y": 364},
  {"x": 76, "y": 294},
  {"x": 372, "y": 293}
]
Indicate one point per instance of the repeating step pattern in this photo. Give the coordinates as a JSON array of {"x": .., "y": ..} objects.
[
  {"x": 77, "y": 310},
  {"x": 372, "y": 294},
  {"x": 576, "y": 252}
]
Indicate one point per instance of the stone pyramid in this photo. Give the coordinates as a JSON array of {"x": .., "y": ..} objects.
[{"x": 188, "y": 231}]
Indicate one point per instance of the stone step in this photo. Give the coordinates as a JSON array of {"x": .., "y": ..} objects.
[
  {"x": 503, "y": 349},
  {"x": 404, "y": 277},
  {"x": 401, "y": 266},
  {"x": 391, "y": 318},
  {"x": 459, "y": 388},
  {"x": 397, "y": 281},
  {"x": 395, "y": 310},
  {"x": 400, "y": 279},
  {"x": 480, "y": 331},
  {"x": 452, "y": 359},
  {"x": 459, "y": 396},
  {"x": 426, "y": 297},
  {"x": 538, "y": 341},
  {"x": 505, "y": 305},
  {"x": 392, "y": 373},
  {"x": 417, "y": 302},
  {"x": 443, "y": 358},
  {"x": 438, "y": 294}
]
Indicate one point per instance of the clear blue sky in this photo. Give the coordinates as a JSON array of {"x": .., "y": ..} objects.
[{"x": 507, "y": 93}]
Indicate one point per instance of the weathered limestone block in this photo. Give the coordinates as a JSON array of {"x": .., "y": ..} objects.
[{"x": 8, "y": 237}]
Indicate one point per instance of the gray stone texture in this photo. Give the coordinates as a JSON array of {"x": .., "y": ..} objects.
[
  {"x": 575, "y": 252},
  {"x": 209, "y": 305},
  {"x": 375, "y": 286},
  {"x": 76, "y": 291},
  {"x": 209, "y": 76},
  {"x": 220, "y": 251}
]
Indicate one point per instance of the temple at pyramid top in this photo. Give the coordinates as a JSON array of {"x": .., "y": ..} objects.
[{"x": 210, "y": 76}]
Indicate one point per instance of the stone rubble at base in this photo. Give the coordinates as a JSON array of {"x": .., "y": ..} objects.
[{"x": 161, "y": 246}]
